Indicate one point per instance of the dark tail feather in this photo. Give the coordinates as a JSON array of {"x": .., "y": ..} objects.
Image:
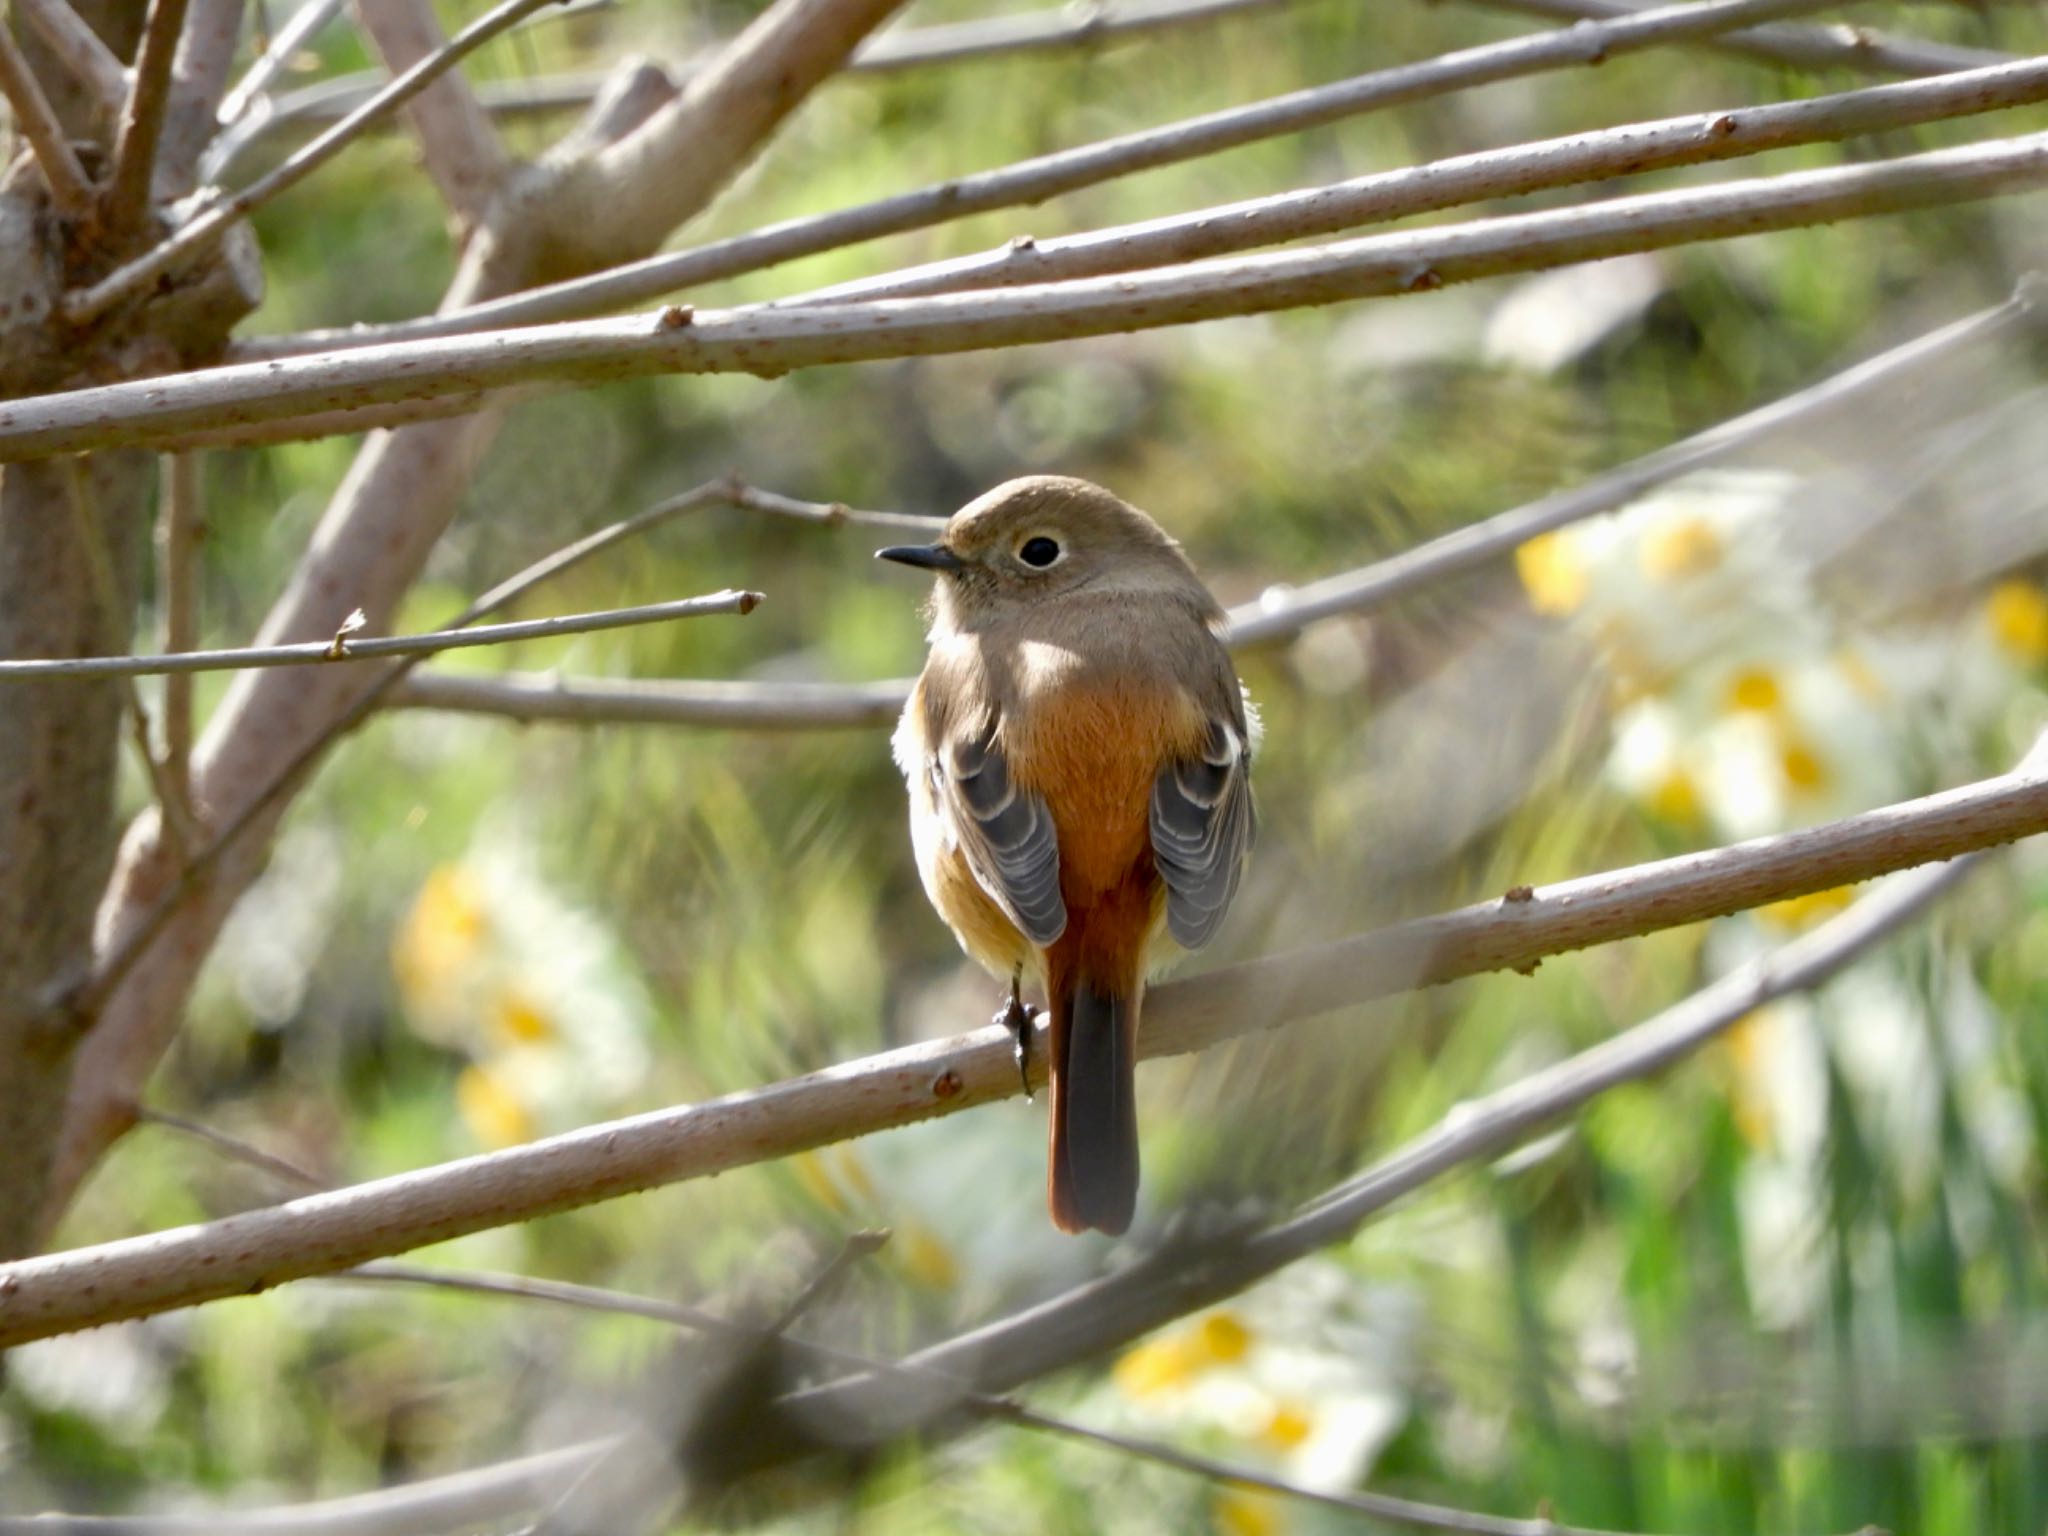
[{"x": 1092, "y": 1173}]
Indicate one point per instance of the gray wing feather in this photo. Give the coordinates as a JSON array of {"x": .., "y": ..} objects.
[
  {"x": 1202, "y": 828},
  {"x": 1007, "y": 836}
]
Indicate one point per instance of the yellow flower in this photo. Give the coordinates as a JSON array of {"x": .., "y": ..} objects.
[
  {"x": 1682, "y": 547},
  {"x": 1675, "y": 798},
  {"x": 1221, "y": 1339},
  {"x": 438, "y": 940},
  {"x": 1243, "y": 1512},
  {"x": 1754, "y": 688},
  {"x": 1288, "y": 1427},
  {"x": 1802, "y": 766},
  {"x": 1745, "y": 1046},
  {"x": 1800, "y": 912},
  {"x": 516, "y": 1020},
  {"x": 491, "y": 1110},
  {"x": 2018, "y": 611},
  {"x": 925, "y": 1259},
  {"x": 1553, "y": 573}
]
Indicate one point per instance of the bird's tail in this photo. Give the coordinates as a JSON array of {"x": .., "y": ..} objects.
[{"x": 1092, "y": 1162}]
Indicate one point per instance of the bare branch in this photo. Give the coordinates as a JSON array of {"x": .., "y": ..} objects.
[
  {"x": 460, "y": 147},
  {"x": 179, "y": 530},
  {"x": 1629, "y": 150},
  {"x": 1035, "y": 180},
  {"x": 1803, "y": 47},
  {"x": 323, "y": 1233},
  {"x": 346, "y": 647},
  {"x": 768, "y": 341},
  {"x": 79, "y": 49},
  {"x": 298, "y": 30},
  {"x": 37, "y": 119},
  {"x": 762, "y": 706},
  {"x": 86, "y": 305},
  {"x": 142, "y": 121},
  {"x": 233, "y": 1147},
  {"x": 206, "y": 55}
]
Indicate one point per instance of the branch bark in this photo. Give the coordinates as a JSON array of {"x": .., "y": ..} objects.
[
  {"x": 772, "y": 340},
  {"x": 37, "y": 120},
  {"x": 461, "y": 149},
  {"x": 78, "y": 48},
  {"x": 126, "y": 205},
  {"x": 319, "y": 1234}
]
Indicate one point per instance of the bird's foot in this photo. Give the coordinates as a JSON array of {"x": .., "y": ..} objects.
[{"x": 1019, "y": 1020}]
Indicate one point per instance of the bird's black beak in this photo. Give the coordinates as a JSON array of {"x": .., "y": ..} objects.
[{"x": 930, "y": 557}]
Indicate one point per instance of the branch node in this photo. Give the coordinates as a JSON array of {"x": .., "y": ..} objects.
[
  {"x": 1515, "y": 895},
  {"x": 337, "y": 648},
  {"x": 749, "y": 601},
  {"x": 675, "y": 316}
]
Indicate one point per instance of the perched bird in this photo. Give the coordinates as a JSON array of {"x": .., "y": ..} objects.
[{"x": 1078, "y": 752}]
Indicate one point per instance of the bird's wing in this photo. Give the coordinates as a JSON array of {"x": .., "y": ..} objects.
[
  {"x": 1202, "y": 828},
  {"x": 1005, "y": 833}
]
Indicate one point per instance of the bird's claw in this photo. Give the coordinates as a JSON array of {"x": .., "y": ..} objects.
[{"x": 1018, "y": 1020}]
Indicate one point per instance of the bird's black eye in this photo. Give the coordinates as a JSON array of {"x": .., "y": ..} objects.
[{"x": 1040, "y": 551}]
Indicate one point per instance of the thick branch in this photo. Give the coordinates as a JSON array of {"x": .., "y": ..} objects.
[
  {"x": 323, "y": 1233},
  {"x": 37, "y": 120},
  {"x": 206, "y": 55},
  {"x": 772, "y": 341}
]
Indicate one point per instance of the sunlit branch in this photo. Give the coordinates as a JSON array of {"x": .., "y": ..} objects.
[
  {"x": 298, "y": 30},
  {"x": 1629, "y": 150},
  {"x": 1033, "y": 181},
  {"x": 79, "y": 49},
  {"x": 200, "y": 231},
  {"x": 769, "y": 341},
  {"x": 347, "y": 647},
  {"x": 1841, "y": 47},
  {"x": 142, "y": 120},
  {"x": 37, "y": 120},
  {"x": 322, "y": 1233},
  {"x": 745, "y": 706},
  {"x": 457, "y": 143}
]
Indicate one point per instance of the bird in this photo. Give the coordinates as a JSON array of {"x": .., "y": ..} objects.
[{"x": 1078, "y": 753}]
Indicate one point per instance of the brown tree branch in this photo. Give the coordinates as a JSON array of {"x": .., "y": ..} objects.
[
  {"x": 199, "y": 77},
  {"x": 323, "y": 1233},
  {"x": 772, "y": 340},
  {"x": 37, "y": 120},
  {"x": 461, "y": 149},
  {"x": 346, "y": 647},
  {"x": 1630, "y": 150},
  {"x": 1046, "y": 176},
  {"x": 128, "y": 185}
]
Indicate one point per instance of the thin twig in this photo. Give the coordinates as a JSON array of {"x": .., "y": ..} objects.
[
  {"x": 86, "y": 305},
  {"x": 37, "y": 119},
  {"x": 774, "y": 341},
  {"x": 345, "y": 646},
  {"x": 322, "y": 1233},
  {"x": 717, "y": 704},
  {"x": 1034, "y": 181},
  {"x": 234, "y": 1147},
  {"x": 180, "y": 529},
  {"x": 128, "y": 187},
  {"x": 99, "y": 569},
  {"x": 1859, "y": 48},
  {"x": 305, "y": 22},
  {"x": 79, "y": 49},
  {"x": 1629, "y": 150}
]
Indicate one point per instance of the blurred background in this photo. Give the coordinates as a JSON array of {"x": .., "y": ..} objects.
[{"x": 1796, "y": 1285}]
